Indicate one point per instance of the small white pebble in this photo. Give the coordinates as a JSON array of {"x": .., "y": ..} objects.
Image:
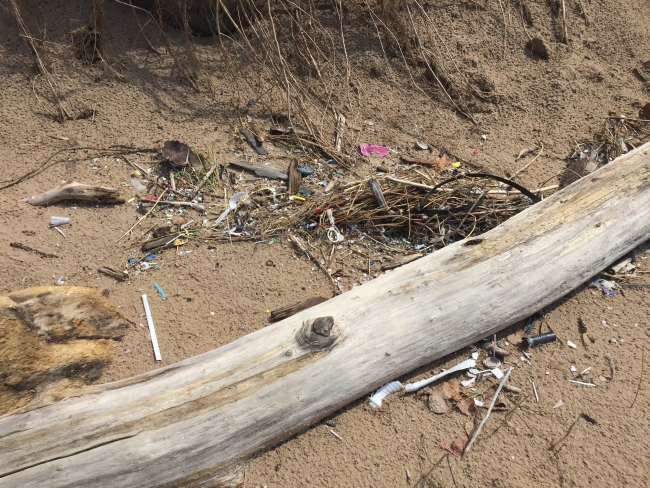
[
  {"x": 573, "y": 368},
  {"x": 612, "y": 340}
]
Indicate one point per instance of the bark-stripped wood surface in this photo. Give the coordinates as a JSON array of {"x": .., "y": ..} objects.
[
  {"x": 78, "y": 191},
  {"x": 182, "y": 424}
]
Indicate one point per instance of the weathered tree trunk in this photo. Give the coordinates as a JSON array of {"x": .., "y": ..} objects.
[{"x": 182, "y": 424}]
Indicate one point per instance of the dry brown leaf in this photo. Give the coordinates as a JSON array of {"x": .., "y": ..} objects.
[
  {"x": 469, "y": 428},
  {"x": 449, "y": 389},
  {"x": 443, "y": 162},
  {"x": 516, "y": 338},
  {"x": 467, "y": 406},
  {"x": 501, "y": 403},
  {"x": 437, "y": 403},
  {"x": 178, "y": 220},
  {"x": 179, "y": 154}
]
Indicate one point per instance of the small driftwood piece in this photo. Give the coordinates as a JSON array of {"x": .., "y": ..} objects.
[
  {"x": 276, "y": 130},
  {"x": 293, "y": 309},
  {"x": 375, "y": 188},
  {"x": 163, "y": 242},
  {"x": 423, "y": 162},
  {"x": 254, "y": 143},
  {"x": 401, "y": 262},
  {"x": 294, "y": 178},
  {"x": 42, "y": 254},
  {"x": 526, "y": 152},
  {"x": 114, "y": 274},
  {"x": 340, "y": 127},
  {"x": 260, "y": 170},
  {"x": 78, "y": 191},
  {"x": 259, "y": 135}
]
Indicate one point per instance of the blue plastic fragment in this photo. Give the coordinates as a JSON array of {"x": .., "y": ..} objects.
[
  {"x": 157, "y": 287},
  {"x": 132, "y": 260},
  {"x": 371, "y": 263},
  {"x": 150, "y": 257},
  {"x": 306, "y": 170}
]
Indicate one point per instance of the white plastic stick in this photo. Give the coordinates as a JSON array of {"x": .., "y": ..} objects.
[
  {"x": 54, "y": 221},
  {"x": 152, "y": 331},
  {"x": 468, "y": 363}
]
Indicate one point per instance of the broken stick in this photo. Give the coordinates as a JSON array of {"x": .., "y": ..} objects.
[{"x": 494, "y": 400}]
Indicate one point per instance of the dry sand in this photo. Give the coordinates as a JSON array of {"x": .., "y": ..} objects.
[{"x": 554, "y": 101}]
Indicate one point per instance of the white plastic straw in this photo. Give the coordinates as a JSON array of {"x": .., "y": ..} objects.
[
  {"x": 152, "y": 331},
  {"x": 469, "y": 363}
]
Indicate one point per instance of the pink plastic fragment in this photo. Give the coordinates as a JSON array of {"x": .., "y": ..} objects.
[
  {"x": 372, "y": 150},
  {"x": 469, "y": 382}
]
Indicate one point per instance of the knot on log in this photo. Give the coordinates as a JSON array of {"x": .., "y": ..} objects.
[{"x": 317, "y": 333}]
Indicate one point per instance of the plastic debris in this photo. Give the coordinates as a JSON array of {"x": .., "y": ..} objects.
[
  {"x": 468, "y": 382},
  {"x": 135, "y": 183},
  {"x": 54, "y": 221},
  {"x": 372, "y": 150},
  {"x": 305, "y": 170},
  {"x": 491, "y": 363},
  {"x": 544, "y": 338},
  {"x": 468, "y": 363},
  {"x": 421, "y": 145},
  {"x": 152, "y": 331},
  {"x": 571, "y": 345},
  {"x": 559, "y": 404},
  {"x": 581, "y": 383},
  {"x": 606, "y": 286},
  {"x": 395, "y": 386},
  {"x": 379, "y": 395},
  {"x": 160, "y": 290},
  {"x": 232, "y": 205}
]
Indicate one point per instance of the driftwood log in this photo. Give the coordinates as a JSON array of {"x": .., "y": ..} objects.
[
  {"x": 77, "y": 191},
  {"x": 183, "y": 424}
]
